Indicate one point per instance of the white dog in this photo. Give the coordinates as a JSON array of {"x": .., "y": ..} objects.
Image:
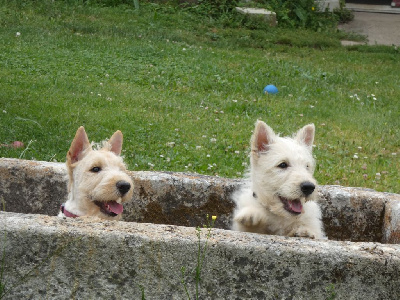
[
  {"x": 98, "y": 183},
  {"x": 277, "y": 197}
]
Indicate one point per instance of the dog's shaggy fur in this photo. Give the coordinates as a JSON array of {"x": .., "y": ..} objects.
[
  {"x": 278, "y": 196},
  {"x": 98, "y": 183}
]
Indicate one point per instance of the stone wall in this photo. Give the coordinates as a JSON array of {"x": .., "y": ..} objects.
[
  {"x": 82, "y": 258},
  {"x": 47, "y": 257},
  {"x": 351, "y": 214}
]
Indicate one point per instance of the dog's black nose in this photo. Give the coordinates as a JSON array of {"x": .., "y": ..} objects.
[
  {"x": 307, "y": 187},
  {"x": 123, "y": 187}
]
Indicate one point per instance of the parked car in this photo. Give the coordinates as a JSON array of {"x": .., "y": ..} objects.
[{"x": 395, "y": 3}]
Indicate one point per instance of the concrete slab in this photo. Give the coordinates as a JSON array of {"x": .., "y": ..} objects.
[
  {"x": 329, "y": 5},
  {"x": 373, "y": 8},
  {"x": 380, "y": 28},
  {"x": 48, "y": 257},
  {"x": 267, "y": 15},
  {"x": 351, "y": 43},
  {"x": 56, "y": 258},
  {"x": 351, "y": 214}
]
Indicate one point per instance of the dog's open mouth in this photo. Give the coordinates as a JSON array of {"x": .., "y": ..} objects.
[
  {"x": 110, "y": 208},
  {"x": 293, "y": 206}
]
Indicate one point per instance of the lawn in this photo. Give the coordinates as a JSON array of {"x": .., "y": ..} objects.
[{"x": 186, "y": 90}]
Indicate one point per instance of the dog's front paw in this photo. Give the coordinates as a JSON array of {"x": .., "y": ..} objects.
[
  {"x": 249, "y": 217},
  {"x": 303, "y": 232},
  {"x": 246, "y": 220}
]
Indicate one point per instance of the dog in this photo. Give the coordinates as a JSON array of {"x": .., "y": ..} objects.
[
  {"x": 278, "y": 197},
  {"x": 98, "y": 184}
]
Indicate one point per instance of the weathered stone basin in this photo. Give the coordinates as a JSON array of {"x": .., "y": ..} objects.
[{"x": 85, "y": 258}]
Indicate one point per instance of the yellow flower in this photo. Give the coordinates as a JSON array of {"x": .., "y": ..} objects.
[
  {"x": 214, "y": 218},
  {"x": 312, "y": 8}
]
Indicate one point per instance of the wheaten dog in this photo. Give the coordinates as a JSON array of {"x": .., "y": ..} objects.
[
  {"x": 98, "y": 183},
  {"x": 278, "y": 196}
]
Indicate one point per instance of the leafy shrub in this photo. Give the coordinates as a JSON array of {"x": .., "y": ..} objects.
[
  {"x": 342, "y": 13},
  {"x": 215, "y": 8},
  {"x": 103, "y": 2},
  {"x": 300, "y": 14}
]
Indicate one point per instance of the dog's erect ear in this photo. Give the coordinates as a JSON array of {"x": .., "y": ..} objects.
[
  {"x": 262, "y": 137},
  {"x": 116, "y": 142},
  {"x": 306, "y": 135},
  {"x": 78, "y": 146}
]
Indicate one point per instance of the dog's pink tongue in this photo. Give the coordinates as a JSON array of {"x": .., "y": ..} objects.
[
  {"x": 115, "y": 207},
  {"x": 296, "y": 206}
]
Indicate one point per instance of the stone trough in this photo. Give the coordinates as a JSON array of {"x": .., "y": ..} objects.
[{"x": 46, "y": 257}]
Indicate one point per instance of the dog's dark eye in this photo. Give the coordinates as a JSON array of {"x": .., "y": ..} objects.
[
  {"x": 95, "y": 169},
  {"x": 283, "y": 165}
]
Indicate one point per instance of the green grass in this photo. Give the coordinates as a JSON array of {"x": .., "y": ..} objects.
[{"x": 164, "y": 75}]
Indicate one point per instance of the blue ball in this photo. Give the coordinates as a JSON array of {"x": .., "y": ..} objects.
[{"x": 270, "y": 89}]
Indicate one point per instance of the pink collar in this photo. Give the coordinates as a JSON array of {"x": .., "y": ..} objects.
[{"x": 67, "y": 213}]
